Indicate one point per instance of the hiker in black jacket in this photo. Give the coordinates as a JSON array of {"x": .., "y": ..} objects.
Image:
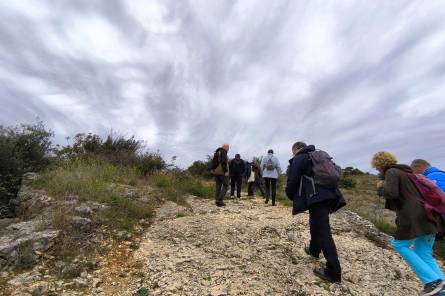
[
  {"x": 220, "y": 169},
  {"x": 320, "y": 202},
  {"x": 237, "y": 169}
]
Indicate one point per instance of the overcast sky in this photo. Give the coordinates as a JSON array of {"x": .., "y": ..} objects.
[{"x": 351, "y": 77}]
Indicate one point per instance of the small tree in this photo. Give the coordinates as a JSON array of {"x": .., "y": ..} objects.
[
  {"x": 201, "y": 168},
  {"x": 151, "y": 162},
  {"x": 23, "y": 148}
]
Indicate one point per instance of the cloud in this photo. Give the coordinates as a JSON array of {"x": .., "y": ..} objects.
[{"x": 186, "y": 76}]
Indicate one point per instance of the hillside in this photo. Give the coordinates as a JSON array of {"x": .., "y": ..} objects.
[
  {"x": 251, "y": 249},
  {"x": 156, "y": 237}
]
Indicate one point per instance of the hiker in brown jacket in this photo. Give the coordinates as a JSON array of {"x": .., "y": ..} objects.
[{"x": 415, "y": 233}]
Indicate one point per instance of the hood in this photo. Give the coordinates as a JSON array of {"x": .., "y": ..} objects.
[
  {"x": 307, "y": 149},
  {"x": 402, "y": 167},
  {"x": 431, "y": 170}
]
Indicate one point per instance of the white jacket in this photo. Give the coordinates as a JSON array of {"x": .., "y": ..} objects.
[{"x": 275, "y": 173}]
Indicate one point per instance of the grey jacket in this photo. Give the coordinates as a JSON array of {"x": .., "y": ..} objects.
[{"x": 275, "y": 173}]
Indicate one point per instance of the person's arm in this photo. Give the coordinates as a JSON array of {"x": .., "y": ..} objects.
[
  {"x": 278, "y": 167},
  {"x": 225, "y": 162},
  {"x": 294, "y": 177},
  {"x": 244, "y": 172},
  {"x": 390, "y": 188}
]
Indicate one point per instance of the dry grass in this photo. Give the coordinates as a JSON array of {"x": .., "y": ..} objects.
[{"x": 90, "y": 181}]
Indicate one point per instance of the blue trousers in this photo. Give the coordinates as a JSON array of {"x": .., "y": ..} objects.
[{"x": 418, "y": 253}]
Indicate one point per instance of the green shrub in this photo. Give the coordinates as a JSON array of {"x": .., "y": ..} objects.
[
  {"x": 175, "y": 185},
  {"x": 142, "y": 292},
  {"x": 350, "y": 171},
  {"x": 23, "y": 148},
  {"x": 87, "y": 144},
  {"x": 148, "y": 163},
  {"x": 95, "y": 181},
  {"x": 25, "y": 257},
  {"x": 124, "y": 212},
  {"x": 115, "y": 149},
  {"x": 347, "y": 182},
  {"x": 201, "y": 168}
]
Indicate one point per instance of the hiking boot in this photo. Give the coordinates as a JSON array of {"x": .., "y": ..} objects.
[
  {"x": 433, "y": 288},
  {"x": 307, "y": 250},
  {"x": 221, "y": 204},
  {"x": 442, "y": 291},
  {"x": 266, "y": 201},
  {"x": 320, "y": 272}
]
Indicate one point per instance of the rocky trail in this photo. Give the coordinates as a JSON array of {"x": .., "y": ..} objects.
[{"x": 247, "y": 248}]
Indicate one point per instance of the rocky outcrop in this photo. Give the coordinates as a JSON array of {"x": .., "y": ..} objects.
[
  {"x": 247, "y": 248},
  {"x": 24, "y": 236}
]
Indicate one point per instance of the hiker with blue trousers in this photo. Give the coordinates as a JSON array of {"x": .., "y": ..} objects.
[
  {"x": 421, "y": 166},
  {"x": 320, "y": 197},
  {"x": 270, "y": 166},
  {"x": 415, "y": 231}
]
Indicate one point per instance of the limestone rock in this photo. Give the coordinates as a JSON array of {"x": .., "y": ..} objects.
[
  {"x": 25, "y": 278},
  {"x": 38, "y": 241},
  {"x": 71, "y": 271},
  {"x": 247, "y": 248},
  {"x": 83, "y": 210},
  {"x": 80, "y": 224}
]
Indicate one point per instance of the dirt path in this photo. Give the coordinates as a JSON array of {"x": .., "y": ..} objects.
[{"x": 248, "y": 248}]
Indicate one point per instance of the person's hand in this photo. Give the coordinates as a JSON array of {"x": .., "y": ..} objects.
[
  {"x": 226, "y": 174},
  {"x": 380, "y": 184}
]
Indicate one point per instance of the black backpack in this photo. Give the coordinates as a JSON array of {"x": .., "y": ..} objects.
[
  {"x": 326, "y": 172},
  {"x": 217, "y": 168}
]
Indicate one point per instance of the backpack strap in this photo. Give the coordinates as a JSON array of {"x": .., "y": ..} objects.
[{"x": 312, "y": 183}]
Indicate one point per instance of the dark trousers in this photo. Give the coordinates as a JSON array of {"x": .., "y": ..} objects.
[
  {"x": 321, "y": 237},
  {"x": 236, "y": 180},
  {"x": 252, "y": 185},
  {"x": 271, "y": 189},
  {"x": 222, "y": 185}
]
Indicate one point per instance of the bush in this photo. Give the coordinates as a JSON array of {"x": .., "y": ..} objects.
[
  {"x": 94, "y": 181},
  {"x": 23, "y": 149},
  {"x": 350, "y": 171},
  {"x": 148, "y": 163},
  {"x": 174, "y": 186},
  {"x": 347, "y": 182},
  {"x": 201, "y": 168},
  {"x": 115, "y": 149},
  {"x": 87, "y": 144}
]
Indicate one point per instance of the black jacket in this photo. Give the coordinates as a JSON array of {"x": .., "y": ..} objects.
[
  {"x": 237, "y": 167},
  {"x": 220, "y": 156},
  {"x": 300, "y": 166}
]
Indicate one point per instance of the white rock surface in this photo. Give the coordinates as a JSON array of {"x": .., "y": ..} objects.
[{"x": 248, "y": 248}]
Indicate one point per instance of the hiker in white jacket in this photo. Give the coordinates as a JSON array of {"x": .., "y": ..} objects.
[{"x": 271, "y": 169}]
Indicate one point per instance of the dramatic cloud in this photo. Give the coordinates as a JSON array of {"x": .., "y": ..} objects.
[{"x": 352, "y": 77}]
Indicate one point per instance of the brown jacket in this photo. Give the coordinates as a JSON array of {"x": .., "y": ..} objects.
[{"x": 404, "y": 198}]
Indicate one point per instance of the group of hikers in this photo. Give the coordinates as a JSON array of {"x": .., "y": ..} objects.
[
  {"x": 263, "y": 176},
  {"x": 415, "y": 192}
]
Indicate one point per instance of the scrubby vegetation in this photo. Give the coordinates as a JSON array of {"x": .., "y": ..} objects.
[
  {"x": 118, "y": 181},
  {"x": 201, "y": 168},
  {"x": 23, "y": 149}
]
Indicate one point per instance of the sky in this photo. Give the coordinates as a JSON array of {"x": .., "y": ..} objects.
[{"x": 351, "y": 77}]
